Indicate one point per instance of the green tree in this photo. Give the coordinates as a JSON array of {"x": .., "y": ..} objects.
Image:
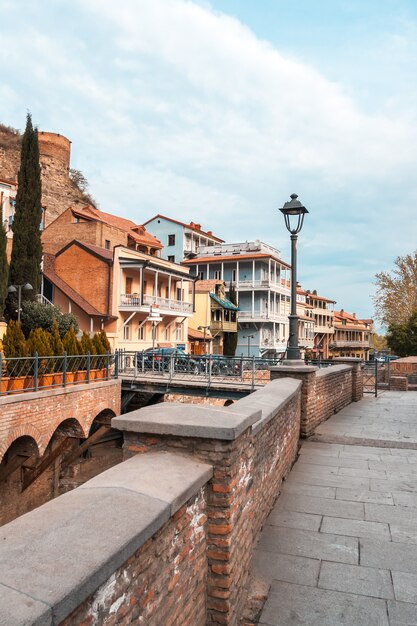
[
  {"x": 230, "y": 339},
  {"x": 4, "y": 266},
  {"x": 396, "y": 295},
  {"x": 14, "y": 342},
  {"x": 105, "y": 343},
  {"x": 38, "y": 315},
  {"x": 25, "y": 265},
  {"x": 70, "y": 342},
  {"x": 57, "y": 346},
  {"x": 87, "y": 344},
  {"x": 39, "y": 341},
  {"x": 402, "y": 337}
]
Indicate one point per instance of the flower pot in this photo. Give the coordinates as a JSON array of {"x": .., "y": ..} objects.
[
  {"x": 16, "y": 383},
  {"x": 93, "y": 374},
  {"x": 101, "y": 373},
  {"x": 4, "y": 384},
  {"x": 70, "y": 378},
  {"x": 46, "y": 380},
  {"x": 58, "y": 376},
  {"x": 29, "y": 383},
  {"x": 80, "y": 376}
]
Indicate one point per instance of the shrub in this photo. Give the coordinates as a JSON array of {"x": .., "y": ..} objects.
[{"x": 38, "y": 315}]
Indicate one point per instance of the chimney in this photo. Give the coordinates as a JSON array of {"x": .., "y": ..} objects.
[{"x": 354, "y": 315}]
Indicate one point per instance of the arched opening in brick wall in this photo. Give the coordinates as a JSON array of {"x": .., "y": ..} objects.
[{"x": 229, "y": 402}]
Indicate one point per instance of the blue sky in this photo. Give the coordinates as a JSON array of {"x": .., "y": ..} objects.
[{"x": 217, "y": 111}]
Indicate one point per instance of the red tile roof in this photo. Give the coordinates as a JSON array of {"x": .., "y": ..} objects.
[
  {"x": 192, "y": 225},
  {"x": 135, "y": 231}
]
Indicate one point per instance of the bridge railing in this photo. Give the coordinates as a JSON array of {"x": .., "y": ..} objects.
[
  {"x": 25, "y": 374},
  {"x": 207, "y": 369}
]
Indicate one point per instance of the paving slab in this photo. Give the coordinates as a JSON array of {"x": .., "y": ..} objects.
[
  {"x": 402, "y": 614},
  {"x": 333, "y": 461},
  {"x": 286, "y": 567},
  {"x": 405, "y": 586},
  {"x": 405, "y": 499},
  {"x": 331, "y": 480},
  {"x": 364, "y": 495},
  {"x": 321, "y": 506},
  {"x": 297, "y": 605},
  {"x": 308, "y": 490},
  {"x": 391, "y": 555},
  {"x": 389, "y": 514},
  {"x": 355, "y": 528},
  {"x": 310, "y": 544},
  {"x": 294, "y": 519},
  {"x": 365, "y": 581},
  {"x": 405, "y": 533}
]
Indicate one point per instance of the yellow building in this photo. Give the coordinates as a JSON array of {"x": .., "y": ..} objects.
[{"x": 214, "y": 316}]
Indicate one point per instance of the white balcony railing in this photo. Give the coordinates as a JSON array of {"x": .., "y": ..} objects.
[
  {"x": 136, "y": 301},
  {"x": 262, "y": 314},
  {"x": 345, "y": 343}
]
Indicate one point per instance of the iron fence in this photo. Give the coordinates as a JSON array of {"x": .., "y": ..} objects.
[
  {"x": 206, "y": 370},
  {"x": 24, "y": 374}
]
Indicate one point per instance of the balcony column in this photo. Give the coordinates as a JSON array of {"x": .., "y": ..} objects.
[
  {"x": 253, "y": 273},
  {"x": 182, "y": 290},
  {"x": 253, "y": 303},
  {"x": 169, "y": 289},
  {"x": 155, "y": 286},
  {"x": 237, "y": 275},
  {"x": 222, "y": 271}
]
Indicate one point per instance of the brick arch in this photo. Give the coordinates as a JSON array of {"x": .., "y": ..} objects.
[
  {"x": 70, "y": 422},
  {"x": 26, "y": 430},
  {"x": 104, "y": 413}
]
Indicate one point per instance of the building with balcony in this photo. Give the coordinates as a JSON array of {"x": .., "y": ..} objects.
[
  {"x": 352, "y": 336},
  {"x": 305, "y": 324},
  {"x": 117, "y": 290},
  {"x": 97, "y": 228},
  {"x": 322, "y": 310},
  {"x": 214, "y": 313},
  {"x": 8, "y": 190},
  {"x": 262, "y": 282},
  {"x": 180, "y": 240}
]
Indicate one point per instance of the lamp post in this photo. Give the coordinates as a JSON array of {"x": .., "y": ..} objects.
[
  {"x": 18, "y": 289},
  {"x": 248, "y": 337},
  {"x": 205, "y": 329},
  {"x": 154, "y": 317},
  {"x": 294, "y": 213}
]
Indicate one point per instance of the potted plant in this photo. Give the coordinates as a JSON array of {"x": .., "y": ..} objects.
[
  {"x": 39, "y": 344},
  {"x": 57, "y": 348},
  {"x": 71, "y": 347},
  {"x": 102, "y": 346},
  {"x": 87, "y": 347},
  {"x": 15, "y": 351}
]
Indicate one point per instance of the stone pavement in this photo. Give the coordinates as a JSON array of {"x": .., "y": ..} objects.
[{"x": 340, "y": 546}]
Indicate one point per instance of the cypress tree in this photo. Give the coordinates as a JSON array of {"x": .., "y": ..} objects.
[
  {"x": 14, "y": 342},
  {"x": 4, "y": 266},
  {"x": 25, "y": 265},
  {"x": 57, "y": 346}
]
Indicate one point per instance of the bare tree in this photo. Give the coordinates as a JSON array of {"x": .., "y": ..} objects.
[{"x": 396, "y": 296}]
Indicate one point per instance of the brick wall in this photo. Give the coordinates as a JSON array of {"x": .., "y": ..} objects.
[
  {"x": 247, "y": 473},
  {"x": 87, "y": 274},
  {"x": 398, "y": 383},
  {"x": 163, "y": 583},
  {"x": 39, "y": 414},
  {"x": 325, "y": 391}
]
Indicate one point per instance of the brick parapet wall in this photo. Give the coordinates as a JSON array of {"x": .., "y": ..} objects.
[
  {"x": 398, "y": 383},
  {"x": 247, "y": 473},
  {"x": 127, "y": 547},
  {"x": 39, "y": 414},
  {"x": 324, "y": 391}
]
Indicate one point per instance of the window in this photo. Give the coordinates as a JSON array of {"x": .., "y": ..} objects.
[
  {"x": 171, "y": 240},
  {"x": 171, "y": 258},
  {"x": 107, "y": 244},
  {"x": 76, "y": 220},
  {"x": 126, "y": 332},
  {"x": 178, "y": 331},
  {"x": 141, "y": 332},
  {"x": 167, "y": 333},
  {"x": 233, "y": 276},
  {"x": 200, "y": 275},
  {"x": 180, "y": 295},
  {"x": 129, "y": 281},
  {"x": 217, "y": 274}
]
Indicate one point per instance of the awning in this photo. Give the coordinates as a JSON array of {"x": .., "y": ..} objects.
[{"x": 226, "y": 304}]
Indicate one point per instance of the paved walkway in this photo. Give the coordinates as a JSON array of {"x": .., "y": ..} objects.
[{"x": 340, "y": 546}]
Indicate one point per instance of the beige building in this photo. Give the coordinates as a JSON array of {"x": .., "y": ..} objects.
[
  {"x": 323, "y": 314},
  {"x": 306, "y": 323},
  {"x": 352, "y": 336},
  {"x": 214, "y": 316},
  {"x": 8, "y": 190}
]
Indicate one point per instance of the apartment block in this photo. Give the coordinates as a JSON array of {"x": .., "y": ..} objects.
[
  {"x": 352, "y": 336},
  {"x": 262, "y": 282}
]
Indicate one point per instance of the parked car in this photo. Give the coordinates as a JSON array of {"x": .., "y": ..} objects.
[
  {"x": 220, "y": 365},
  {"x": 161, "y": 359}
]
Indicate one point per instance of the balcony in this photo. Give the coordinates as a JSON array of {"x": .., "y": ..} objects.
[
  {"x": 264, "y": 283},
  {"x": 166, "y": 305},
  {"x": 262, "y": 315},
  {"x": 345, "y": 343},
  {"x": 329, "y": 330},
  {"x": 223, "y": 326}
]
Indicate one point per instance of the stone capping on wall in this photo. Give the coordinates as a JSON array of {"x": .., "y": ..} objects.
[
  {"x": 56, "y": 391},
  {"x": 272, "y": 399},
  {"x": 56, "y": 556},
  {"x": 332, "y": 369},
  {"x": 188, "y": 420}
]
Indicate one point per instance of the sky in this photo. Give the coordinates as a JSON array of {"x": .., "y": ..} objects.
[{"x": 216, "y": 111}]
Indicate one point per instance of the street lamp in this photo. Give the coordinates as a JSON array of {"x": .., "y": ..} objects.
[
  {"x": 248, "y": 337},
  {"x": 205, "y": 329},
  {"x": 294, "y": 213},
  {"x": 154, "y": 317},
  {"x": 18, "y": 289}
]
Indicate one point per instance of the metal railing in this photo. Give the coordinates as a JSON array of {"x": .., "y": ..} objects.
[
  {"x": 18, "y": 375},
  {"x": 201, "y": 370},
  {"x": 168, "y": 303}
]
